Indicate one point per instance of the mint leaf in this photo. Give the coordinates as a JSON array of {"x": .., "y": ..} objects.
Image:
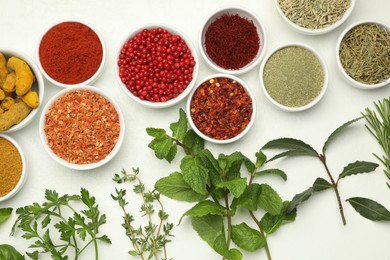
[
  {"x": 193, "y": 141},
  {"x": 370, "y": 209},
  {"x": 5, "y": 213},
  {"x": 299, "y": 198},
  {"x": 269, "y": 200},
  {"x": 156, "y": 132},
  {"x": 236, "y": 186},
  {"x": 321, "y": 184},
  {"x": 261, "y": 158},
  {"x": 162, "y": 147},
  {"x": 247, "y": 238},
  {"x": 235, "y": 254},
  {"x": 179, "y": 129},
  {"x": 211, "y": 230},
  {"x": 294, "y": 147},
  {"x": 175, "y": 187},
  {"x": 249, "y": 199},
  {"x": 250, "y": 166},
  {"x": 209, "y": 161},
  {"x": 271, "y": 223},
  {"x": 277, "y": 172},
  {"x": 205, "y": 208},
  {"x": 8, "y": 252},
  {"x": 358, "y": 167},
  {"x": 194, "y": 174}
]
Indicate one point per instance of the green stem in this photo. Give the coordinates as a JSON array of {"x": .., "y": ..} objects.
[
  {"x": 335, "y": 188},
  {"x": 229, "y": 220},
  {"x": 96, "y": 249},
  {"x": 129, "y": 229},
  {"x": 186, "y": 148},
  {"x": 268, "y": 252}
]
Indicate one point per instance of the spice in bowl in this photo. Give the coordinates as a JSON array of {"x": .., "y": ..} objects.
[
  {"x": 364, "y": 53},
  {"x": 156, "y": 65},
  {"x": 71, "y": 53},
  {"x": 11, "y": 167},
  {"x": 293, "y": 77},
  {"x": 232, "y": 41},
  {"x": 82, "y": 127},
  {"x": 221, "y": 108},
  {"x": 314, "y": 14}
]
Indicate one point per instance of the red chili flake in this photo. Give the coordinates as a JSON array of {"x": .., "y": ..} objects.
[
  {"x": 82, "y": 127},
  {"x": 232, "y": 41},
  {"x": 221, "y": 108},
  {"x": 156, "y": 65}
]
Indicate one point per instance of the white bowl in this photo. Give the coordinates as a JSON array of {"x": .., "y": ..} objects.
[
  {"x": 73, "y": 165},
  {"x": 182, "y": 95},
  {"x": 38, "y": 86},
  {"x": 240, "y": 135},
  {"x": 313, "y": 102},
  {"x": 23, "y": 176},
  {"x": 86, "y": 82},
  {"x": 243, "y": 12},
  {"x": 349, "y": 79},
  {"x": 320, "y": 31}
]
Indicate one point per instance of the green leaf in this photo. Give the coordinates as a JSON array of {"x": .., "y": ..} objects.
[
  {"x": 211, "y": 229},
  {"x": 86, "y": 198},
  {"x": 194, "y": 174},
  {"x": 236, "y": 187},
  {"x": 261, "y": 158},
  {"x": 230, "y": 165},
  {"x": 250, "y": 166},
  {"x": 269, "y": 200},
  {"x": 172, "y": 153},
  {"x": 156, "y": 132},
  {"x": 277, "y": 172},
  {"x": 321, "y": 184},
  {"x": 162, "y": 147},
  {"x": 249, "y": 199},
  {"x": 299, "y": 198},
  {"x": 209, "y": 161},
  {"x": 5, "y": 213},
  {"x": 33, "y": 255},
  {"x": 51, "y": 195},
  {"x": 358, "y": 167},
  {"x": 133, "y": 253},
  {"x": 294, "y": 147},
  {"x": 176, "y": 188},
  {"x": 247, "y": 238},
  {"x": 179, "y": 129},
  {"x": 193, "y": 141},
  {"x": 337, "y": 132},
  {"x": 370, "y": 209},
  {"x": 8, "y": 252},
  {"x": 105, "y": 239},
  {"x": 271, "y": 223},
  {"x": 205, "y": 208},
  {"x": 235, "y": 254}
]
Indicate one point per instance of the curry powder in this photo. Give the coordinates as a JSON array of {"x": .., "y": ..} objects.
[{"x": 10, "y": 166}]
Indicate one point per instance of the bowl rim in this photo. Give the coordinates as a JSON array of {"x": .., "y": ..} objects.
[
  {"x": 347, "y": 78},
  {"x": 240, "y": 135},
  {"x": 23, "y": 175},
  {"x": 89, "y": 166},
  {"x": 94, "y": 76},
  {"x": 172, "y": 30},
  {"x": 314, "y": 101},
  {"x": 319, "y": 31},
  {"x": 260, "y": 27},
  {"x": 40, "y": 84}
]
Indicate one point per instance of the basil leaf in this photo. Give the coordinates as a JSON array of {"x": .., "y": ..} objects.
[
  {"x": 294, "y": 147},
  {"x": 247, "y": 238},
  {"x": 269, "y": 200},
  {"x": 358, "y": 167},
  {"x": 176, "y": 188},
  {"x": 370, "y": 209},
  {"x": 236, "y": 186},
  {"x": 179, "y": 129},
  {"x": 277, "y": 172},
  {"x": 194, "y": 174},
  {"x": 5, "y": 213},
  {"x": 8, "y": 252}
]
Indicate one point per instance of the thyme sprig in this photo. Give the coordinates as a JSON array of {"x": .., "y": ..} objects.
[{"x": 150, "y": 240}]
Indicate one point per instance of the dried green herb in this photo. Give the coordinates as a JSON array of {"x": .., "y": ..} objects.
[
  {"x": 293, "y": 76},
  {"x": 365, "y": 53},
  {"x": 314, "y": 14},
  {"x": 150, "y": 240}
]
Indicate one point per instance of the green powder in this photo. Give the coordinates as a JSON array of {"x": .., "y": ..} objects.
[{"x": 293, "y": 76}]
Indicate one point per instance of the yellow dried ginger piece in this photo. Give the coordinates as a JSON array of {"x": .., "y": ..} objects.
[
  {"x": 1, "y": 111},
  {"x": 16, "y": 113},
  {"x": 24, "y": 76},
  {"x": 7, "y": 103},
  {"x": 10, "y": 82},
  {"x": 2, "y": 94},
  {"x": 3, "y": 69},
  {"x": 31, "y": 99}
]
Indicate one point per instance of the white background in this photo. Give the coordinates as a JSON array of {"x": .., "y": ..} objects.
[{"x": 317, "y": 232}]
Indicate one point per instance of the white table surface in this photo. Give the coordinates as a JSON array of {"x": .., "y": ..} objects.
[{"x": 317, "y": 232}]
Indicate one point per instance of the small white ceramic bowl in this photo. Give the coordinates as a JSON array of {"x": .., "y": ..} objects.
[
  {"x": 245, "y": 13},
  {"x": 23, "y": 176},
  {"x": 189, "y": 87},
  {"x": 320, "y": 31},
  {"x": 38, "y": 86},
  {"x": 237, "y": 137},
  {"x": 349, "y": 79},
  {"x": 86, "y": 82},
  {"x": 312, "y": 103},
  {"x": 81, "y": 166}
]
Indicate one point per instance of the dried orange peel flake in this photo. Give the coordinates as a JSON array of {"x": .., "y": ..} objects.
[{"x": 82, "y": 127}]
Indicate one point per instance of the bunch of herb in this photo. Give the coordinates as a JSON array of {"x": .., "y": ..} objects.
[
  {"x": 294, "y": 147},
  {"x": 150, "y": 240},
  {"x": 77, "y": 232},
  {"x": 220, "y": 189}
]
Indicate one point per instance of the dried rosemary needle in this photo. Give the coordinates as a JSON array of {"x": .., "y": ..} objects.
[
  {"x": 314, "y": 14},
  {"x": 365, "y": 53}
]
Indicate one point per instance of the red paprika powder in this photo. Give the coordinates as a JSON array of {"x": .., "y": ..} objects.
[{"x": 70, "y": 52}]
